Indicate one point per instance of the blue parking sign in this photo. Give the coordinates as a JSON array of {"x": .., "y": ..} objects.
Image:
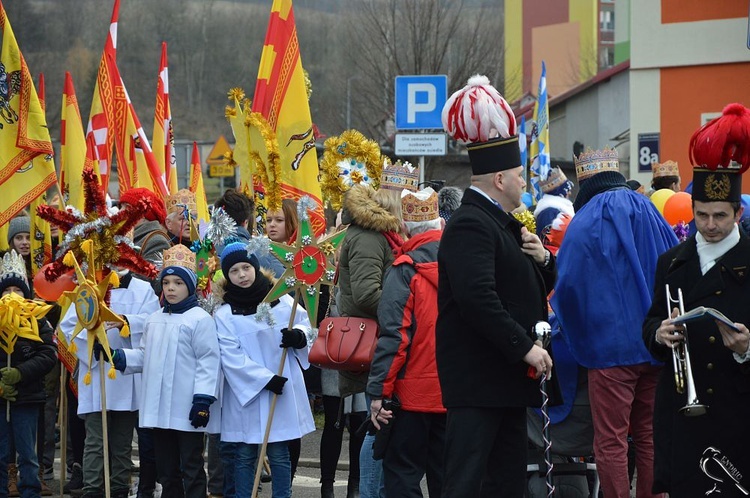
[{"x": 420, "y": 101}]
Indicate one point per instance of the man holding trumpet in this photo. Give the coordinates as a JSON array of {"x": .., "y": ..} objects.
[{"x": 702, "y": 397}]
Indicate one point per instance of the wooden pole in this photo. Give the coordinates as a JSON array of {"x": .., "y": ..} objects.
[
  {"x": 62, "y": 420},
  {"x": 7, "y": 402},
  {"x": 105, "y": 439},
  {"x": 262, "y": 454}
]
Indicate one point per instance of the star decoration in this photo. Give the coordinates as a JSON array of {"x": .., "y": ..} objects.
[
  {"x": 92, "y": 311},
  {"x": 18, "y": 319},
  {"x": 307, "y": 266},
  {"x": 107, "y": 232}
]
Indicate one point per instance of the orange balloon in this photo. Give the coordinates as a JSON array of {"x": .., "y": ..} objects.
[
  {"x": 51, "y": 291},
  {"x": 678, "y": 207}
]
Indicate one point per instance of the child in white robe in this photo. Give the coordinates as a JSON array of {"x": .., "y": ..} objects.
[
  {"x": 251, "y": 350},
  {"x": 179, "y": 359}
]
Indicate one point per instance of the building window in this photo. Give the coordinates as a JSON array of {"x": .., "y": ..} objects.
[
  {"x": 607, "y": 20},
  {"x": 606, "y": 57}
]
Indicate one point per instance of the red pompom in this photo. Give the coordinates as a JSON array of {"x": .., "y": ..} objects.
[{"x": 722, "y": 140}]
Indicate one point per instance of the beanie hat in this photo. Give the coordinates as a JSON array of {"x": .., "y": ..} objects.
[
  {"x": 13, "y": 273},
  {"x": 449, "y": 199},
  {"x": 236, "y": 252},
  {"x": 158, "y": 211},
  {"x": 21, "y": 224},
  {"x": 186, "y": 274}
]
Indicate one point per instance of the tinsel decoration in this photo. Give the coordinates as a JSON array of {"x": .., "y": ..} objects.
[
  {"x": 260, "y": 246},
  {"x": 681, "y": 230},
  {"x": 308, "y": 83},
  {"x": 209, "y": 303},
  {"x": 270, "y": 173},
  {"x": 304, "y": 205},
  {"x": 107, "y": 232},
  {"x": 307, "y": 267},
  {"x": 263, "y": 314},
  {"x": 528, "y": 220},
  {"x": 220, "y": 227},
  {"x": 348, "y": 159}
]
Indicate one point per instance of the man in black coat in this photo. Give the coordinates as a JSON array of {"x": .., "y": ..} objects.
[
  {"x": 695, "y": 453},
  {"x": 494, "y": 276}
]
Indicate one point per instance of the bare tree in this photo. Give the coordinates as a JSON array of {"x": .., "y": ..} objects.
[{"x": 395, "y": 37}]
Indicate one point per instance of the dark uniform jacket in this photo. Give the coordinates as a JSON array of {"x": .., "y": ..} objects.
[
  {"x": 490, "y": 295},
  {"x": 34, "y": 360},
  {"x": 682, "y": 443}
]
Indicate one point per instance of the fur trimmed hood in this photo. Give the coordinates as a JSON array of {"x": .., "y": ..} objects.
[{"x": 361, "y": 208}]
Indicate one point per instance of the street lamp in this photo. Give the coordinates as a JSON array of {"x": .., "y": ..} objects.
[{"x": 349, "y": 101}]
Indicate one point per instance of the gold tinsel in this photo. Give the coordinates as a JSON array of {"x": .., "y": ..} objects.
[
  {"x": 528, "y": 220},
  {"x": 349, "y": 145},
  {"x": 308, "y": 83},
  {"x": 236, "y": 93},
  {"x": 270, "y": 173},
  {"x": 230, "y": 112}
]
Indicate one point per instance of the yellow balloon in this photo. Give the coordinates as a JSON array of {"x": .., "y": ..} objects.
[{"x": 659, "y": 198}]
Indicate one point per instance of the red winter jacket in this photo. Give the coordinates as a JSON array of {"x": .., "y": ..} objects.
[{"x": 404, "y": 360}]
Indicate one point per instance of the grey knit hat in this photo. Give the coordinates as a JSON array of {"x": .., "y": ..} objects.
[{"x": 18, "y": 225}]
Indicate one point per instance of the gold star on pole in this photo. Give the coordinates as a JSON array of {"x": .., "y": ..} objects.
[
  {"x": 18, "y": 319},
  {"x": 89, "y": 299},
  {"x": 307, "y": 264}
]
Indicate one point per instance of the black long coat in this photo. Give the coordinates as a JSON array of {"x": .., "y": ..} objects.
[
  {"x": 490, "y": 295},
  {"x": 680, "y": 442}
]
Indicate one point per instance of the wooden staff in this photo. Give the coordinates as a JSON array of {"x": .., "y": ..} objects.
[
  {"x": 7, "y": 401},
  {"x": 262, "y": 455},
  {"x": 63, "y": 422},
  {"x": 105, "y": 439}
]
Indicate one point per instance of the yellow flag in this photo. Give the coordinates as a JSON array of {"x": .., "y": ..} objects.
[
  {"x": 23, "y": 131},
  {"x": 196, "y": 185},
  {"x": 72, "y": 148},
  {"x": 240, "y": 155},
  {"x": 41, "y": 233},
  {"x": 281, "y": 97},
  {"x": 4, "y": 237}
]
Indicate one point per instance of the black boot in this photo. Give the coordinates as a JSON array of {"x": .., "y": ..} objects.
[
  {"x": 146, "y": 480},
  {"x": 326, "y": 489},
  {"x": 352, "y": 489},
  {"x": 74, "y": 486}
]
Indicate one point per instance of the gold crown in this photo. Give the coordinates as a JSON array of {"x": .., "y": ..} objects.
[
  {"x": 667, "y": 168},
  {"x": 556, "y": 178},
  {"x": 179, "y": 255},
  {"x": 399, "y": 176},
  {"x": 181, "y": 199},
  {"x": 13, "y": 266},
  {"x": 592, "y": 162},
  {"x": 420, "y": 206}
]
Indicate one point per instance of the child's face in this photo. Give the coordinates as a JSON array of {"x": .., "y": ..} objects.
[
  {"x": 174, "y": 288},
  {"x": 242, "y": 274},
  {"x": 13, "y": 289}
]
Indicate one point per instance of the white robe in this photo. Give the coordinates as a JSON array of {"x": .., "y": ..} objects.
[
  {"x": 136, "y": 303},
  {"x": 250, "y": 357},
  {"x": 179, "y": 357}
]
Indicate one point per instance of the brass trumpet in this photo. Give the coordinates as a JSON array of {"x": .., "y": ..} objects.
[{"x": 683, "y": 372}]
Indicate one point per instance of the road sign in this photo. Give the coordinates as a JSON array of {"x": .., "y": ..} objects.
[
  {"x": 220, "y": 170},
  {"x": 420, "y": 144},
  {"x": 216, "y": 156},
  {"x": 648, "y": 151},
  {"x": 420, "y": 101}
]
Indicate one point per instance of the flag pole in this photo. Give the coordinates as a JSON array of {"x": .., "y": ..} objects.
[
  {"x": 274, "y": 398},
  {"x": 63, "y": 422},
  {"x": 105, "y": 439}
]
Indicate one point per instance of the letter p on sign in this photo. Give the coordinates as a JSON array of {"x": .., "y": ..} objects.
[{"x": 420, "y": 101}]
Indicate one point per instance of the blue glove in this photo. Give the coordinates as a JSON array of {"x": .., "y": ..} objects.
[
  {"x": 293, "y": 338},
  {"x": 199, "y": 413}
]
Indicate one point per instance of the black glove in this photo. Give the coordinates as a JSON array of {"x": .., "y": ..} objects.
[
  {"x": 276, "y": 384},
  {"x": 99, "y": 353},
  {"x": 293, "y": 338},
  {"x": 199, "y": 413}
]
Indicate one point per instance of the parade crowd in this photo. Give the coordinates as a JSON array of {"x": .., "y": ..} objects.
[{"x": 457, "y": 283}]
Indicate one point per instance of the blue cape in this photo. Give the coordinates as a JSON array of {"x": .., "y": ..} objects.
[{"x": 605, "y": 278}]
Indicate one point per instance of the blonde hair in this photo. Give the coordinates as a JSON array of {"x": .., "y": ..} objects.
[{"x": 390, "y": 200}]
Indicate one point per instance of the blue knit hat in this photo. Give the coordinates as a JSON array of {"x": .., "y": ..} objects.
[
  {"x": 186, "y": 274},
  {"x": 236, "y": 252}
]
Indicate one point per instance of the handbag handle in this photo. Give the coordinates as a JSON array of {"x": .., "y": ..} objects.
[{"x": 354, "y": 349}]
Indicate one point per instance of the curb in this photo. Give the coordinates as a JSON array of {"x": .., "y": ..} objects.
[{"x": 314, "y": 463}]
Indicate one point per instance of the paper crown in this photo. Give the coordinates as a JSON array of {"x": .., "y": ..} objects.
[
  {"x": 179, "y": 255},
  {"x": 720, "y": 153},
  {"x": 13, "y": 267},
  {"x": 399, "y": 175},
  {"x": 555, "y": 179},
  {"x": 667, "y": 168},
  {"x": 591, "y": 162},
  {"x": 181, "y": 199},
  {"x": 419, "y": 206}
]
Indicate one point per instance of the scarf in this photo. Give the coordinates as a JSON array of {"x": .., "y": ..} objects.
[
  {"x": 189, "y": 302},
  {"x": 394, "y": 240},
  {"x": 246, "y": 301},
  {"x": 600, "y": 182},
  {"x": 709, "y": 252}
]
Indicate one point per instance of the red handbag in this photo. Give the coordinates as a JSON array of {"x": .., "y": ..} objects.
[{"x": 345, "y": 343}]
